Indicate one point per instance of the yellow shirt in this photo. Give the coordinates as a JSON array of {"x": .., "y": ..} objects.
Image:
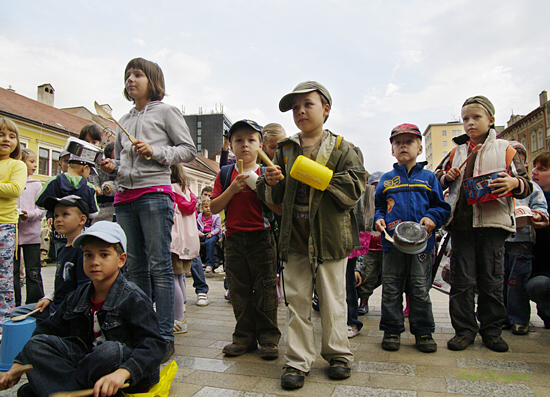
[{"x": 13, "y": 178}]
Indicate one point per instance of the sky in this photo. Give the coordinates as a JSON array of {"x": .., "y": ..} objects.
[{"x": 383, "y": 62}]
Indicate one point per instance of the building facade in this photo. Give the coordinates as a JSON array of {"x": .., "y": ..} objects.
[
  {"x": 207, "y": 131},
  {"x": 438, "y": 141}
]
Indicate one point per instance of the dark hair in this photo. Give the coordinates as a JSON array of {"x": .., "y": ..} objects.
[
  {"x": 543, "y": 159},
  {"x": 109, "y": 149},
  {"x": 93, "y": 130},
  {"x": 93, "y": 239},
  {"x": 178, "y": 175},
  {"x": 206, "y": 189},
  {"x": 154, "y": 74}
]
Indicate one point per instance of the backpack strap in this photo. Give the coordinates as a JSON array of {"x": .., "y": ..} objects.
[{"x": 225, "y": 176}]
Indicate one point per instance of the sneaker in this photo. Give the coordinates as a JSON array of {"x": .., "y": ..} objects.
[
  {"x": 202, "y": 300},
  {"x": 180, "y": 327},
  {"x": 226, "y": 295},
  {"x": 520, "y": 329},
  {"x": 234, "y": 349},
  {"x": 208, "y": 269},
  {"x": 269, "y": 351},
  {"x": 352, "y": 331},
  {"x": 391, "y": 342},
  {"x": 25, "y": 391},
  {"x": 340, "y": 368},
  {"x": 292, "y": 378},
  {"x": 169, "y": 350},
  {"x": 496, "y": 344},
  {"x": 506, "y": 324},
  {"x": 425, "y": 343},
  {"x": 459, "y": 343},
  {"x": 363, "y": 307}
]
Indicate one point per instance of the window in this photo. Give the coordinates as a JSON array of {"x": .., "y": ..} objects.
[
  {"x": 199, "y": 147},
  {"x": 444, "y": 132},
  {"x": 444, "y": 143},
  {"x": 199, "y": 132},
  {"x": 55, "y": 163},
  {"x": 456, "y": 132},
  {"x": 199, "y": 124},
  {"x": 44, "y": 162},
  {"x": 199, "y": 139},
  {"x": 541, "y": 140},
  {"x": 23, "y": 145},
  {"x": 533, "y": 142}
]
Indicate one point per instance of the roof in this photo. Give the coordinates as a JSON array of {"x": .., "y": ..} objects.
[
  {"x": 25, "y": 109},
  {"x": 204, "y": 164}
]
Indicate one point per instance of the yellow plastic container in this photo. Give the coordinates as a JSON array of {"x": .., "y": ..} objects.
[{"x": 311, "y": 173}]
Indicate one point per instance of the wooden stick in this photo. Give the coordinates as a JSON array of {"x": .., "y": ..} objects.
[
  {"x": 268, "y": 161},
  {"x": 476, "y": 149},
  {"x": 80, "y": 393},
  {"x": 240, "y": 166}
]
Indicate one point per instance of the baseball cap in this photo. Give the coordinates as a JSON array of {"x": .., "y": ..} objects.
[
  {"x": 375, "y": 177},
  {"x": 110, "y": 232},
  {"x": 285, "y": 104},
  {"x": 244, "y": 123},
  {"x": 405, "y": 129},
  {"x": 483, "y": 101},
  {"x": 74, "y": 159},
  {"x": 69, "y": 201}
]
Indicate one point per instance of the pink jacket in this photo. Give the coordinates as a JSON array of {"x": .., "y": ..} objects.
[{"x": 29, "y": 229}]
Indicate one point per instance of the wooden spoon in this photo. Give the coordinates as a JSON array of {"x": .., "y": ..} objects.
[
  {"x": 23, "y": 316},
  {"x": 80, "y": 393},
  {"x": 268, "y": 161},
  {"x": 388, "y": 236},
  {"x": 103, "y": 113}
]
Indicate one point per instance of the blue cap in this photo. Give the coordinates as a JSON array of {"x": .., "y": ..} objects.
[
  {"x": 244, "y": 123},
  {"x": 109, "y": 232}
]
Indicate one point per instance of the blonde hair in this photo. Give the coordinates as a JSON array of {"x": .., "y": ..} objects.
[
  {"x": 78, "y": 168},
  {"x": 273, "y": 130},
  {"x": 478, "y": 106},
  {"x": 206, "y": 201},
  {"x": 25, "y": 153},
  {"x": 11, "y": 127}
]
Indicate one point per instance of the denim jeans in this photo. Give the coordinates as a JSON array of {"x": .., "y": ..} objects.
[
  {"x": 371, "y": 273},
  {"x": 75, "y": 368},
  {"x": 538, "y": 289},
  {"x": 351, "y": 295},
  {"x": 199, "y": 282},
  {"x": 33, "y": 275},
  {"x": 210, "y": 244},
  {"x": 517, "y": 270},
  {"x": 147, "y": 223},
  {"x": 397, "y": 269}
]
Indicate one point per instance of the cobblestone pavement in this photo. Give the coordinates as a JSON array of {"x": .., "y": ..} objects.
[{"x": 476, "y": 371}]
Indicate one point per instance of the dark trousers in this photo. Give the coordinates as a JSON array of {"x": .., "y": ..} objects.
[
  {"x": 33, "y": 276},
  {"x": 477, "y": 259},
  {"x": 252, "y": 279},
  {"x": 351, "y": 294},
  {"x": 371, "y": 273}
]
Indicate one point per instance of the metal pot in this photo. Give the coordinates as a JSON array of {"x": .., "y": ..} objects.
[
  {"x": 84, "y": 149},
  {"x": 410, "y": 237}
]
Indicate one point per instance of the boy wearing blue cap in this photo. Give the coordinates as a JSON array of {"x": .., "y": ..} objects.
[
  {"x": 250, "y": 256},
  {"x": 108, "y": 326},
  {"x": 408, "y": 193}
]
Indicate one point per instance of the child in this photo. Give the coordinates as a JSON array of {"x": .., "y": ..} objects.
[
  {"x": 144, "y": 199},
  {"x": 73, "y": 182},
  {"x": 318, "y": 232},
  {"x": 210, "y": 230},
  {"x": 13, "y": 177},
  {"x": 185, "y": 242},
  {"x": 408, "y": 193},
  {"x": 273, "y": 133},
  {"x": 108, "y": 326},
  {"x": 29, "y": 235},
  {"x": 478, "y": 231},
  {"x": 249, "y": 250}
]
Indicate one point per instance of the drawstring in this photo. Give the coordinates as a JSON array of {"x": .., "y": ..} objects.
[{"x": 283, "y": 281}]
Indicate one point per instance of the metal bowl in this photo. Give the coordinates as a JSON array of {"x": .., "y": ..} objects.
[
  {"x": 84, "y": 149},
  {"x": 410, "y": 237}
]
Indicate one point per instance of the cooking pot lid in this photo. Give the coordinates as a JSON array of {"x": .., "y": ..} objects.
[{"x": 411, "y": 232}]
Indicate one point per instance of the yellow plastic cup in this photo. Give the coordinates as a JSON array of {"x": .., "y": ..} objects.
[{"x": 311, "y": 173}]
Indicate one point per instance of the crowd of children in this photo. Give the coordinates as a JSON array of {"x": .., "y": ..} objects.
[{"x": 340, "y": 242}]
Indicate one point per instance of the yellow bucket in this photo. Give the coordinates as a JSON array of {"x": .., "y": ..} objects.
[{"x": 311, "y": 173}]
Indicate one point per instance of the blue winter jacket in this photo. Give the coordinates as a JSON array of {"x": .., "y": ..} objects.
[{"x": 400, "y": 197}]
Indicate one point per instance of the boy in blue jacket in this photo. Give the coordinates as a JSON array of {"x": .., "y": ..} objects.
[{"x": 408, "y": 193}]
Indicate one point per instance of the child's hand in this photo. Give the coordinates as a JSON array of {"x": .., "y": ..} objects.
[
  {"x": 539, "y": 220},
  {"x": 238, "y": 183},
  {"x": 107, "y": 166},
  {"x": 428, "y": 224},
  {"x": 273, "y": 175},
  {"x": 8, "y": 379},
  {"x": 452, "y": 174},
  {"x": 209, "y": 235},
  {"x": 380, "y": 225},
  {"x": 143, "y": 149},
  {"x": 23, "y": 215},
  {"x": 109, "y": 384},
  {"x": 504, "y": 184},
  {"x": 201, "y": 234},
  {"x": 98, "y": 191},
  {"x": 358, "y": 279},
  {"x": 42, "y": 304}
]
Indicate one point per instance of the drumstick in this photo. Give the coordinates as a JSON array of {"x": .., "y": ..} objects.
[
  {"x": 476, "y": 149},
  {"x": 240, "y": 166},
  {"x": 268, "y": 161}
]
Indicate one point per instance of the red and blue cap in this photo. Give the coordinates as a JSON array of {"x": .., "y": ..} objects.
[{"x": 405, "y": 129}]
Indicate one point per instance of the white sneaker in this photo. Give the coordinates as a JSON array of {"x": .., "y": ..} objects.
[
  {"x": 202, "y": 300},
  {"x": 352, "y": 331},
  {"x": 179, "y": 327}
]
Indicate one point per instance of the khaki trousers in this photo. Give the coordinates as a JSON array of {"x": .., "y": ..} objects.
[{"x": 298, "y": 276}]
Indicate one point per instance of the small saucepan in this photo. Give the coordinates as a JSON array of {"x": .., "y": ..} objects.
[{"x": 409, "y": 237}]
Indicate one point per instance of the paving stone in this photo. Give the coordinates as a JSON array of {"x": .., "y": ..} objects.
[
  {"x": 204, "y": 364},
  {"x": 489, "y": 389},
  {"x": 514, "y": 366},
  {"x": 355, "y": 391},
  {"x": 217, "y": 392},
  {"x": 384, "y": 368}
]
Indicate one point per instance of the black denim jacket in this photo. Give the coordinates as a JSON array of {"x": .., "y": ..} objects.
[{"x": 127, "y": 316}]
